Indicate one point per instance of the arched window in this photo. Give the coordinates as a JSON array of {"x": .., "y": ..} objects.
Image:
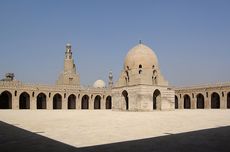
[
  {"x": 140, "y": 71},
  {"x": 126, "y": 99},
  {"x": 140, "y": 66}
]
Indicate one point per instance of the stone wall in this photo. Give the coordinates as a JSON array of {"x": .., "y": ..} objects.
[
  {"x": 14, "y": 89},
  {"x": 205, "y": 96}
]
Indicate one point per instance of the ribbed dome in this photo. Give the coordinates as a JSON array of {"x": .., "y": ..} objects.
[
  {"x": 99, "y": 84},
  {"x": 140, "y": 56}
]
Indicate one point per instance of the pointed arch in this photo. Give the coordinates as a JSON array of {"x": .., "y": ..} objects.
[
  {"x": 176, "y": 102},
  {"x": 108, "y": 103},
  {"x": 24, "y": 101},
  {"x": 156, "y": 100},
  {"x": 187, "y": 102},
  {"x": 215, "y": 100},
  {"x": 228, "y": 100},
  {"x": 97, "y": 102},
  {"x": 57, "y": 101},
  {"x": 72, "y": 101},
  {"x": 126, "y": 99},
  {"x": 6, "y": 100},
  {"x": 200, "y": 101},
  {"x": 41, "y": 101},
  {"x": 85, "y": 102}
]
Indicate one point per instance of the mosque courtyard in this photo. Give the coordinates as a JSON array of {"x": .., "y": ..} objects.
[{"x": 88, "y": 129}]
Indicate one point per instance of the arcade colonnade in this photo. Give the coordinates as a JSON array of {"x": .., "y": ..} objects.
[
  {"x": 203, "y": 97},
  {"x": 20, "y": 96}
]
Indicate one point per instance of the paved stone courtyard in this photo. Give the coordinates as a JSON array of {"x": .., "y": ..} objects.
[{"x": 97, "y": 127}]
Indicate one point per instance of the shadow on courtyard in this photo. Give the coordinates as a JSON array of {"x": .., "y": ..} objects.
[{"x": 210, "y": 140}]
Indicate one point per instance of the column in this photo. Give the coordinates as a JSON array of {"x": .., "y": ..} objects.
[
  {"x": 33, "y": 104},
  {"x": 181, "y": 103},
  {"x": 49, "y": 103},
  {"x": 15, "y": 102},
  {"x": 91, "y": 103},
  {"x": 103, "y": 101},
  {"x": 64, "y": 103},
  {"x": 193, "y": 103},
  {"x": 223, "y": 101},
  {"x": 78, "y": 102}
]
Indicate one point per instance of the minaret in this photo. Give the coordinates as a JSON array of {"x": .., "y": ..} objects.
[
  {"x": 110, "y": 79},
  {"x": 69, "y": 66},
  {"x": 69, "y": 76}
]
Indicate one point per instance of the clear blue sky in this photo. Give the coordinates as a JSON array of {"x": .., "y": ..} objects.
[{"x": 190, "y": 37}]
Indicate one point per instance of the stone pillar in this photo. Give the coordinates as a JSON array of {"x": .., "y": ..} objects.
[
  {"x": 64, "y": 103},
  {"x": 103, "y": 101},
  {"x": 181, "y": 103},
  {"x": 33, "y": 103},
  {"x": 49, "y": 103},
  {"x": 193, "y": 103},
  {"x": 78, "y": 102},
  {"x": 15, "y": 102},
  {"x": 91, "y": 103},
  {"x": 223, "y": 101},
  {"x": 207, "y": 103}
]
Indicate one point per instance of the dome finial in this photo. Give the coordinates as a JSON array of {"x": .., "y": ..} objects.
[{"x": 140, "y": 42}]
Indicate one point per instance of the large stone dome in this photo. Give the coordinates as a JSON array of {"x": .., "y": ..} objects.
[
  {"x": 99, "y": 84},
  {"x": 140, "y": 56}
]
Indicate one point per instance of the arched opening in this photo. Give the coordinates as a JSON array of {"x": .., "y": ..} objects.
[
  {"x": 6, "y": 100},
  {"x": 187, "y": 102},
  {"x": 154, "y": 77},
  {"x": 97, "y": 102},
  {"x": 140, "y": 66},
  {"x": 85, "y": 102},
  {"x": 157, "y": 100},
  {"x": 41, "y": 101},
  {"x": 126, "y": 99},
  {"x": 200, "y": 101},
  {"x": 108, "y": 103},
  {"x": 57, "y": 101},
  {"x": 176, "y": 102},
  {"x": 72, "y": 102},
  {"x": 140, "y": 71},
  {"x": 228, "y": 100},
  {"x": 215, "y": 101},
  {"x": 24, "y": 101}
]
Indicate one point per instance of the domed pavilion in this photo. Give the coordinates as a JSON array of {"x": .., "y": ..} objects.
[{"x": 141, "y": 86}]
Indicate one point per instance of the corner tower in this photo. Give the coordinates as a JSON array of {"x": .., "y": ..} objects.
[{"x": 69, "y": 76}]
